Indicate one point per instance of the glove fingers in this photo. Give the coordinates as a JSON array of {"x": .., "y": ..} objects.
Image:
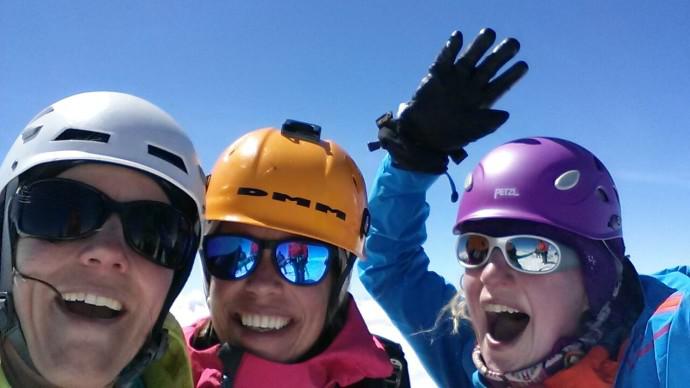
[
  {"x": 478, "y": 47},
  {"x": 503, "y": 83},
  {"x": 446, "y": 58},
  {"x": 500, "y": 55}
]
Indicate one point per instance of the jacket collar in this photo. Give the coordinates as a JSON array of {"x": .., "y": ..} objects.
[{"x": 353, "y": 355}]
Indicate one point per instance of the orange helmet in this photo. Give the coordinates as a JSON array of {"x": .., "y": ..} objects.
[{"x": 293, "y": 181}]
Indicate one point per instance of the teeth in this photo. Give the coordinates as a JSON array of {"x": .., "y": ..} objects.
[
  {"x": 95, "y": 300},
  {"x": 264, "y": 322},
  {"x": 499, "y": 308}
]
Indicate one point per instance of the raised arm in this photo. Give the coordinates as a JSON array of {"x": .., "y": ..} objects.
[
  {"x": 396, "y": 274},
  {"x": 450, "y": 109}
]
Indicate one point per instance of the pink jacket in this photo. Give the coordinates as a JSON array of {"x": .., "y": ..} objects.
[{"x": 352, "y": 356}]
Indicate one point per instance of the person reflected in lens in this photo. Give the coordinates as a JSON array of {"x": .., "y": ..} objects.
[
  {"x": 285, "y": 317},
  {"x": 298, "y": 254},
  {"x": 100, "y": 233},
  {"x": 541, "y": 251},
  {"x": 511, "y": 251}
]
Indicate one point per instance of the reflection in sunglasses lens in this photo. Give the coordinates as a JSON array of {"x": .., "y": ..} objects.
[
  {"x": 235, "y": 257},
  {"x": 532, "y": 254}
]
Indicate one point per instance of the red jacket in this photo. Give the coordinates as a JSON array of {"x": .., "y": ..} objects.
[{"x": 352, "y": 356}]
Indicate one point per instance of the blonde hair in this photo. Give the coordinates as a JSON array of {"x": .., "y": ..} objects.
[{"x": 456, "y": 309}]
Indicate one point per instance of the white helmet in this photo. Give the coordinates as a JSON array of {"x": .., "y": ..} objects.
[
  {"x": 110, "y": 127},
  {"x": 113, "y": 128}
]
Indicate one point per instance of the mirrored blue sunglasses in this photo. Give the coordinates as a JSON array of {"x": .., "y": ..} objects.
[{"x": 299, "y": 261}]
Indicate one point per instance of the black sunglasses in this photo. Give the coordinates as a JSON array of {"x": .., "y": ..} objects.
[{"x": 58, "y": 209}]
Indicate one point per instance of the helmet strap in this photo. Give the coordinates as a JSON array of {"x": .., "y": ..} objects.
[
  {"x": 7, "y": 258},
  {"x": 337, "y": 289},
  {"x": 10, "y": 329},
  {"x": 154, "y": 348}
]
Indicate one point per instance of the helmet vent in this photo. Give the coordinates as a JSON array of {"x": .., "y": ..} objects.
[
  {"x": 615, "y": 222},
  {"x": 168, "y": 157},
  {"x": 468, "y": 182},
  {"x": 567, "y": 180},
  {"x": 30, "y": 133},
  {"x": 80, "y": 134},
  {"x": 602, "y": 194}
]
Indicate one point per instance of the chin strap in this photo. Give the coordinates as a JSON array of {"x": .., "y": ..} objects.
[
  {"x": 230, "y": 356},
  {"x": 10, "y": 329},
  {"x": 153, "y": 349},
  {"x": 339, "y": 283}
]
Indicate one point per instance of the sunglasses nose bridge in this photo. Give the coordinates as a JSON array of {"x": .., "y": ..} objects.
[
  {"x": 264, "y": 278},
  {"x": 496, "y": 270},
  {"x": 107, "y": 247}
]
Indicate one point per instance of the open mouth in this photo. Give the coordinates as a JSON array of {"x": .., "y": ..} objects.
[
  {"x": 505, "y": 323},
  {"x": 263, "y": 323},
  {"x": 92, "y": 306}
]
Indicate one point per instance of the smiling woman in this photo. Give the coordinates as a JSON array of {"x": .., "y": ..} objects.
[
  {"x": 99, "y": 236},
  {"x": 549, "y": 297},
  {"x": 557, "y": 295},
  {"x": 108, "y": 290},
  {"x": 278, "y": 267}
]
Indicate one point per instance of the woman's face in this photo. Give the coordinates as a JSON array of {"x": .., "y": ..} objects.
[
  {"x": 109, "y": 295},
  {"x": 264, "y": 313},
  {"x": 518, "y": 317}
]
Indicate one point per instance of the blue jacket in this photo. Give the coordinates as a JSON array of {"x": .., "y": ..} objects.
[{"x": 396, "y": 274}]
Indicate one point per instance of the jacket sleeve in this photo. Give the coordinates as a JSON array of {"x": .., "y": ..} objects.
[
  {"x": 659, "y": 347},
  {"x": 673, "y": 359},
  {"x": 396, "y": 274},
  {"x": 678, "y": 353}
]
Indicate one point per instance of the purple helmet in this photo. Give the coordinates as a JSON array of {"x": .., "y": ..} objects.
[{"x": 545, "y": 180}]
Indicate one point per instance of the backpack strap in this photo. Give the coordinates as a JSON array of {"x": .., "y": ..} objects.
[
  {"x": 400, "y": 378},
  {"x": 231, "y": 357}
]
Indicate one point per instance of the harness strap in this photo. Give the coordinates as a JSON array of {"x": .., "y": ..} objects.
[
  {"x": 400, "y": 378},
  {"x": 230, "y": 356}
]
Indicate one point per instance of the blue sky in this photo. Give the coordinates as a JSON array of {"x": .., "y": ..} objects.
[{"x": 611, "y": 75}]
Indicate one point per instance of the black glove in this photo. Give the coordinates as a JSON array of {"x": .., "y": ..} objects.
[{"x": 451, "y": 107}]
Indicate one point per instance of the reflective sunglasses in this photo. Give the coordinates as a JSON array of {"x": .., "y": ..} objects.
[
  {"x": 59, "y": 209},
  {"x": 523, "y": 253},
  {"x": 299, "y": 261}
]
